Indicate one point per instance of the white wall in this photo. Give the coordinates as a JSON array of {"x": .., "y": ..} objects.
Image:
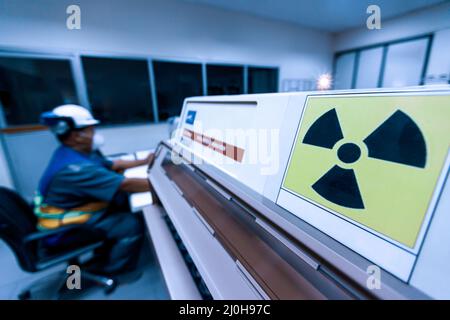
[
  {"x": 420, "y": 22},
  {"x": 439, "y": 65},
  {"x": 31, "y": 151},
  {"x": 158, "y": 28},
  {"x": 133, "y": 138},
  {"x": 167, "y": 28},
  {"x": 434, "y": 20}
]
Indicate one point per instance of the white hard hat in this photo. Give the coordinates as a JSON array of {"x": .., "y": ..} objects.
[
  {"x": 81, "y": 116},
  {"x": 67, "y": 117}
]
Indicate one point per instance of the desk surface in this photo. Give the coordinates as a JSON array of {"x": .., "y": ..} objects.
[{"x": 141, "y": 199}]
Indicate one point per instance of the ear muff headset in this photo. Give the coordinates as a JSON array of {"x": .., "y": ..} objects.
[
  {"x": 58, "y": 125},
  {"x": 61, "y": 128}
]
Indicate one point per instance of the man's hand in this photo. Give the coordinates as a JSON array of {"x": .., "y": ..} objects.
[{"x": 121, "y": 165}]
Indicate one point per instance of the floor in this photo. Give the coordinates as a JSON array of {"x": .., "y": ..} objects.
[{"x": 148, "y": 286}]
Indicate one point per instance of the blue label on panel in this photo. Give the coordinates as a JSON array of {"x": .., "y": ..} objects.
[{"x": 190, "y": 118}]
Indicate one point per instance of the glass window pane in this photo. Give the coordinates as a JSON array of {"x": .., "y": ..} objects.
[
  {"x": 175, "y": 81},
  {"x": 118, "y": 89},
  {"x": 262, "y": 80},
  {"x": 30, "y": 86},
  {"x": 369, "y": 67},
  {"x": 404, "y": 63},
  {"x": 343, "y": 74},
  {"x": 225, "y": 79}
]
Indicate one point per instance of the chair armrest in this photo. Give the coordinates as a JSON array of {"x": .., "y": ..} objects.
[
  {"x": 82, "y": 240},
  {"x": 39, "y": 235}
]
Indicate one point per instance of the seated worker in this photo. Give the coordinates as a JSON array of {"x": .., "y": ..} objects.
[{"x": 80, "y": 186}]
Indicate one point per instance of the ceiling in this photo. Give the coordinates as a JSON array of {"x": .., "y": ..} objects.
[{"x": 326, "y": 15}]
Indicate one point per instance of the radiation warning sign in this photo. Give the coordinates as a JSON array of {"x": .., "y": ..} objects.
[{"x": 373, "y": 159}]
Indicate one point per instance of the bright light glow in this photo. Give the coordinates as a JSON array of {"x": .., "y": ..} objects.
[{"x": 324, "y": 82}]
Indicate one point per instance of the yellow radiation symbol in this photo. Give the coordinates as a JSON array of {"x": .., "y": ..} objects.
[{"x": 373, "y": 159}]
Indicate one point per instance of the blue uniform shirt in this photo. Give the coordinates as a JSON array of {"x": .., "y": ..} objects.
[{"x": 81, "y": 183}]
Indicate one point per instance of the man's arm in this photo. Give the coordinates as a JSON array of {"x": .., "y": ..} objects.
[
  {"x": 120, "y": 165},
  {"x": 135, "y": 185}
]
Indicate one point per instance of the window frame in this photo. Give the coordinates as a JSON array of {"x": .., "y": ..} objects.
[
  {"x": 74, "y": 56},
  {"x": 244, "y": 73},
  {"x": 277, "y": 81},
  {"x": 385, "y": 47},
  {"x": 185, "y": 61},
  {"x": 78, "y": 85},
  {"x": 89, "y": 54}
]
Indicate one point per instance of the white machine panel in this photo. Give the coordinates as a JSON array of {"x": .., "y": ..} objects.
[
  {"x": 239, "y": 135},
  {"x": 366, "y": 168}
]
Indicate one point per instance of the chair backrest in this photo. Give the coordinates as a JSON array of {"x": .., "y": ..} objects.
[{"x": 17, "y": 220}]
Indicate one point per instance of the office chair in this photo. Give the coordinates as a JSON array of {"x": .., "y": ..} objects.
[{"x": 31, "y": 246}]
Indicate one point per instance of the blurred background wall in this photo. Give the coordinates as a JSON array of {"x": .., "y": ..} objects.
[
  {"x": 133, "y": 62},
  {"x": 161, "y": 29}
]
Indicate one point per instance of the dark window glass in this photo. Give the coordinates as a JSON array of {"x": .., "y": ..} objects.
[
  {"x": 174, "y": 82},
  {"x": 118, "y": 89},
  {"x": 262, "y": 80},
  {"x": 30, "y": 86},
  {"x": 225, "y": 79}
]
